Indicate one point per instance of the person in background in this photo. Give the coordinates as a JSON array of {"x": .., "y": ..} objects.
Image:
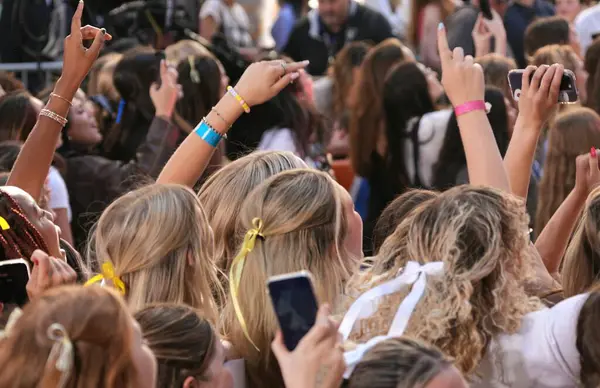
[
  {"x": 495, "y": 72},
  {"x": 290, "y": 11},
  {"x": 397, "y": 12},
  {"x": 592, "y": 66},
  {"x": 549, "y": 31},
  {"x": 489, "y": 36},
  {"x": 321, "y": 35},
  {"x": 10, "y": 83},
  {"x": 516, "y": 20},
  {"x": 588, "y": 340},
  {"x": 227, "y": 18},
  {"x": 569, "y": 9},
  {"x": 587, "y": 25}
]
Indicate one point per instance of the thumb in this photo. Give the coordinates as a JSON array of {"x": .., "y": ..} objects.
[
  {"x": 593, "y": 159},
  {"x": 96, "y": 46},
  {"x": 285, "y": 81},
  {"x": 278, "y": 347},
  {"x": 41, "y": 267}
]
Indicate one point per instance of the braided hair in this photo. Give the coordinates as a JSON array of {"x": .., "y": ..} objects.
[{"x": 23, "y": 237}]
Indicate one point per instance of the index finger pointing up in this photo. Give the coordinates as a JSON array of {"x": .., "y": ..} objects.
[
  {"x": 443, "y": 48},
  {"x": 76, "y": 21}
]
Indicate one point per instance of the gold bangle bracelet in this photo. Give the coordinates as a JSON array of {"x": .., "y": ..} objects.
[{"x": 61, "y": 98}]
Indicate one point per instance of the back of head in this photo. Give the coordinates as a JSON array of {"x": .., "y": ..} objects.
[
  {"x": 160, "y": 244},
  {"x": 367, "y": 109},
  {"x": 588, "y": 341},
  {"x": 223, "y": 194},
  {"x": 555, "y": 53},
  {"x": 180, "y": 51},
  {"x": 9, "y": 83},
  {"x": 96, "y": 322},
  {"x": 571, "y": 134},
  {"x": 396, "y": 212},
  {"x": 495, "y": 71},
  {"x": 582, "y": 258},
  {"x": 300, "y": 215},
  {"x": 17, "y": 116},
  {"x": 101, "y": 77},
  {"x": 592, "y": 66},
  {"x": 183, "y": 342},
  {"x": 9, "y": 150},
  {"x": 347, "y": 61},
  {"x": 399, "y": 363},
  {"x": 134, "y": 75},
  {"x": 544, "y": 32}
]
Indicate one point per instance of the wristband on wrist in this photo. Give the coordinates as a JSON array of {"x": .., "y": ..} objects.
[
  {"x": 239, "y": 99},
  {"x": 470, "y": 106},
  {"x": 208, "y": 133},
  {"x": 53, "y": 116}
]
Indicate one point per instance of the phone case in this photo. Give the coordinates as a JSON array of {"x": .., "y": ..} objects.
[{"x": 568, "y": 86}]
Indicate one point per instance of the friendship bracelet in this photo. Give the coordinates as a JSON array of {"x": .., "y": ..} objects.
[
  {"x": 239, "y": 99},
  {"x": 208, "y": 133},
  {"x": 51, "y": 115},
  {"x": 469, "y": 106},
  {"x": 61, "y": 98},
  {"x": 213, "y": 109}
]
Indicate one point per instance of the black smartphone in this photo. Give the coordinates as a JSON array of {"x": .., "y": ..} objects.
[
  {"x": 295, "y": 305},
  {"x": 14, "y": 275},
  {"x": 568, "y": 87},
  {"x": 486, "y": 10}
]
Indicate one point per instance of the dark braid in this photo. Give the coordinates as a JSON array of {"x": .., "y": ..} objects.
[{"x": 22, "y": 238}]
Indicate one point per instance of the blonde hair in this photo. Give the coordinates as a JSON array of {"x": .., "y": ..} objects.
[
  {"x": 223, "y": 194},
  {"x": 481, "y": 236},
  {"x": 399, "y": 363},
  {"x": 98, "y": 325},
  {"x": 161, "y": 246},
  {"x": 101, "y": 77},
  {"x": 556, "y": 53},
  {"x": 581, "y": 268},
  {"x": 573, "y": 133},
  {"x": 304, "y": 228},
  {"x": 183, "y": 49},
  {"x": 495, "y": 71}
]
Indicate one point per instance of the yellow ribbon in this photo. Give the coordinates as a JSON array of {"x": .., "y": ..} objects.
[
  {"x": 4, "y": 224},
  {"x": 237, "y": 267},
  {"x": 108, "y": 273}
]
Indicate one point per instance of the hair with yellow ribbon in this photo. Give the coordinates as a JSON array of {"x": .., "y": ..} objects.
[
  {"x": 4, "y": 224},
  {"x": 108, "y": 274},
  {"x": 237, "y": 267}
]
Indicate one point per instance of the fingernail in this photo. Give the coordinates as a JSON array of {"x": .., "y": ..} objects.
[
  {"x": 103, "y": 31},
  {"x": 440, "y": 26},
  {"x": 80, "y": 2},
  {"x": 35, "y": 261},
  {"x": 593, "y": 152},
  {"x": 294, "y": 76},
  {"x": 305, "y": 62}
]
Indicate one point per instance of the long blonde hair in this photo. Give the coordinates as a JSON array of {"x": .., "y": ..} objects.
[
  {"x": 573, "y": 133},
  {"x": 304, "y": 228},
  {"x": 98, "y": 325},
  {"x": 481, "y": 236},
  {"x": 224, "y": 192},
  {"x": 581, "y": 268},
  {"x": 160, "y": 244}
]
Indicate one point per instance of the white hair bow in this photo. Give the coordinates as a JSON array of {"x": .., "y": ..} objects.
[
  {"x": 366, "y": 305},
  {"x": 61, "y": 353}
]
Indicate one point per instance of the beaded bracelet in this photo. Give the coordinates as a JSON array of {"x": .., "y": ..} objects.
[
  {"x": 51, "y": 115},
  {"x": 208, "y": 133},
  {"x": 239, "y": 99}
]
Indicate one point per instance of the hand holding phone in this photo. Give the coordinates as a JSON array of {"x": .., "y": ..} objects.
[
  {"x": 14, "y": 276},
  {"x": 568, "y": 93}
]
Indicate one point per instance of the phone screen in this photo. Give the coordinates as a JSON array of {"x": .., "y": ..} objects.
[
  {"x": 295, "y": 305},
  {"x": 13, "y": 281}
]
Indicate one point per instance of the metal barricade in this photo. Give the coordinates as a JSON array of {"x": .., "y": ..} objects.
[{"x": 25, "y": 68}]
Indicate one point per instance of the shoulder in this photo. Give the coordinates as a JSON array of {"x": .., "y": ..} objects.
[
  {"x": 365, "y": 13},
  {"x": 210, "y": 8},
  {"x": 587, "y": 15}
]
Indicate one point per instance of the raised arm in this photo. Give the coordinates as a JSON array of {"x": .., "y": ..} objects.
[
  {"x": 259, "y": 83},
  {"x": 31, "y": 168},
  {"x": 464, "y": 84},
  {"x": 538, "y": 101}
]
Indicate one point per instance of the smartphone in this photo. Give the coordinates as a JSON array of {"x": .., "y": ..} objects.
[
  {"x": 295, "y": 305},
  {"x": 568, "y": 87},
  {"x": 486, "y": 10},
  {"x": 14, "y": 275},
  {"x": 160, "y": 56}
]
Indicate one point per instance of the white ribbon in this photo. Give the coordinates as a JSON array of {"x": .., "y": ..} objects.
[
  {"x": 12, "y": 321},
  {"x": 62, "y": 352},
  {"x": 366, "y": 305}
]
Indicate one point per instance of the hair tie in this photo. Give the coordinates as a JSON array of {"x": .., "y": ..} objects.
[
  {"x": 12, "y": 321},
  {"x": 237, "y": 267},
  {"x": 122, "y": 104},
  {"x": 108, "y": 274},
  {"x": 194, "y": 75},
  {"x": 62, "y": 352},
  {"x": 4, "y": 224}
]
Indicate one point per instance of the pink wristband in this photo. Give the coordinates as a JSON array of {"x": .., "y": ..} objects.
[{"x": 469, "y": 106}]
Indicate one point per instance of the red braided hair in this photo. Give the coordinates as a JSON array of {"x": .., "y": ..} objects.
[{"x": 22, "y": 238}]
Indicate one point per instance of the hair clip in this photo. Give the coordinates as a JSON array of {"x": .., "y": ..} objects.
[
  {"x": 4, "y": 224},
  {"x": 108, "y": 274},
  {"x": 122, "y": 104},
  {"x": 194, "y": 75},
  {"x": 61, "y": 352}
]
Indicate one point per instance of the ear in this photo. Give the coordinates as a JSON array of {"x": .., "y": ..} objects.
[{"x": 190, "y": 382}]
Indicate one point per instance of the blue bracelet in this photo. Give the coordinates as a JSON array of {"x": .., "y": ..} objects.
[{"x": 208, "y": 134}]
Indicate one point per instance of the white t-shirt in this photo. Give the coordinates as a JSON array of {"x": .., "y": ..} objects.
[
  {"x": 59, "y": 196},
  {"x": 432, "y": 131},
  {"x": 587, "y": 23},
  {"x": 542, "y": 354},
  {"x": 281, "y": 139},
  {"x": 232, "y": 21}
]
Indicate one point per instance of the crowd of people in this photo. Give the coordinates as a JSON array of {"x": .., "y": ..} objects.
[{"x": 448, "y": 219}]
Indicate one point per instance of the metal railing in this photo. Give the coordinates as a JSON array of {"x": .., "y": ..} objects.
[{"x": 25, "y": 68}]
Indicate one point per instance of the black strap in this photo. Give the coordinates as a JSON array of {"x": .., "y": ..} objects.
[{"x": 414, "y": 137}]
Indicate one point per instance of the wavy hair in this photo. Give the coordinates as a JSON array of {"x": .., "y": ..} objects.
[
  {"x": 481, "y": 236},
  {"x": 592, "y": 66}
]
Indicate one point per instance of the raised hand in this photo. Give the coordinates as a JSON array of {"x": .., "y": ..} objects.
[
  {"x": 264, "y": 80},
  {"x": 48, "y": 272},
  {"x": 481, "y": 37},
  {"x": 539, "y": 98},
  {"x": 165, "y": 97},
  {"x": 587, "y": 175},
  {"x": 78, "y": 60},
  {"x": 462, "y": 78}
]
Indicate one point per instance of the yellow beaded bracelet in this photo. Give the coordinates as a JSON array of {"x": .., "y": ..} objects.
[{"x": 239, "y": 99}]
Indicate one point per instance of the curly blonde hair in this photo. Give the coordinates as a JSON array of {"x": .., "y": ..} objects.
[{"x": 481, "y": 236}]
